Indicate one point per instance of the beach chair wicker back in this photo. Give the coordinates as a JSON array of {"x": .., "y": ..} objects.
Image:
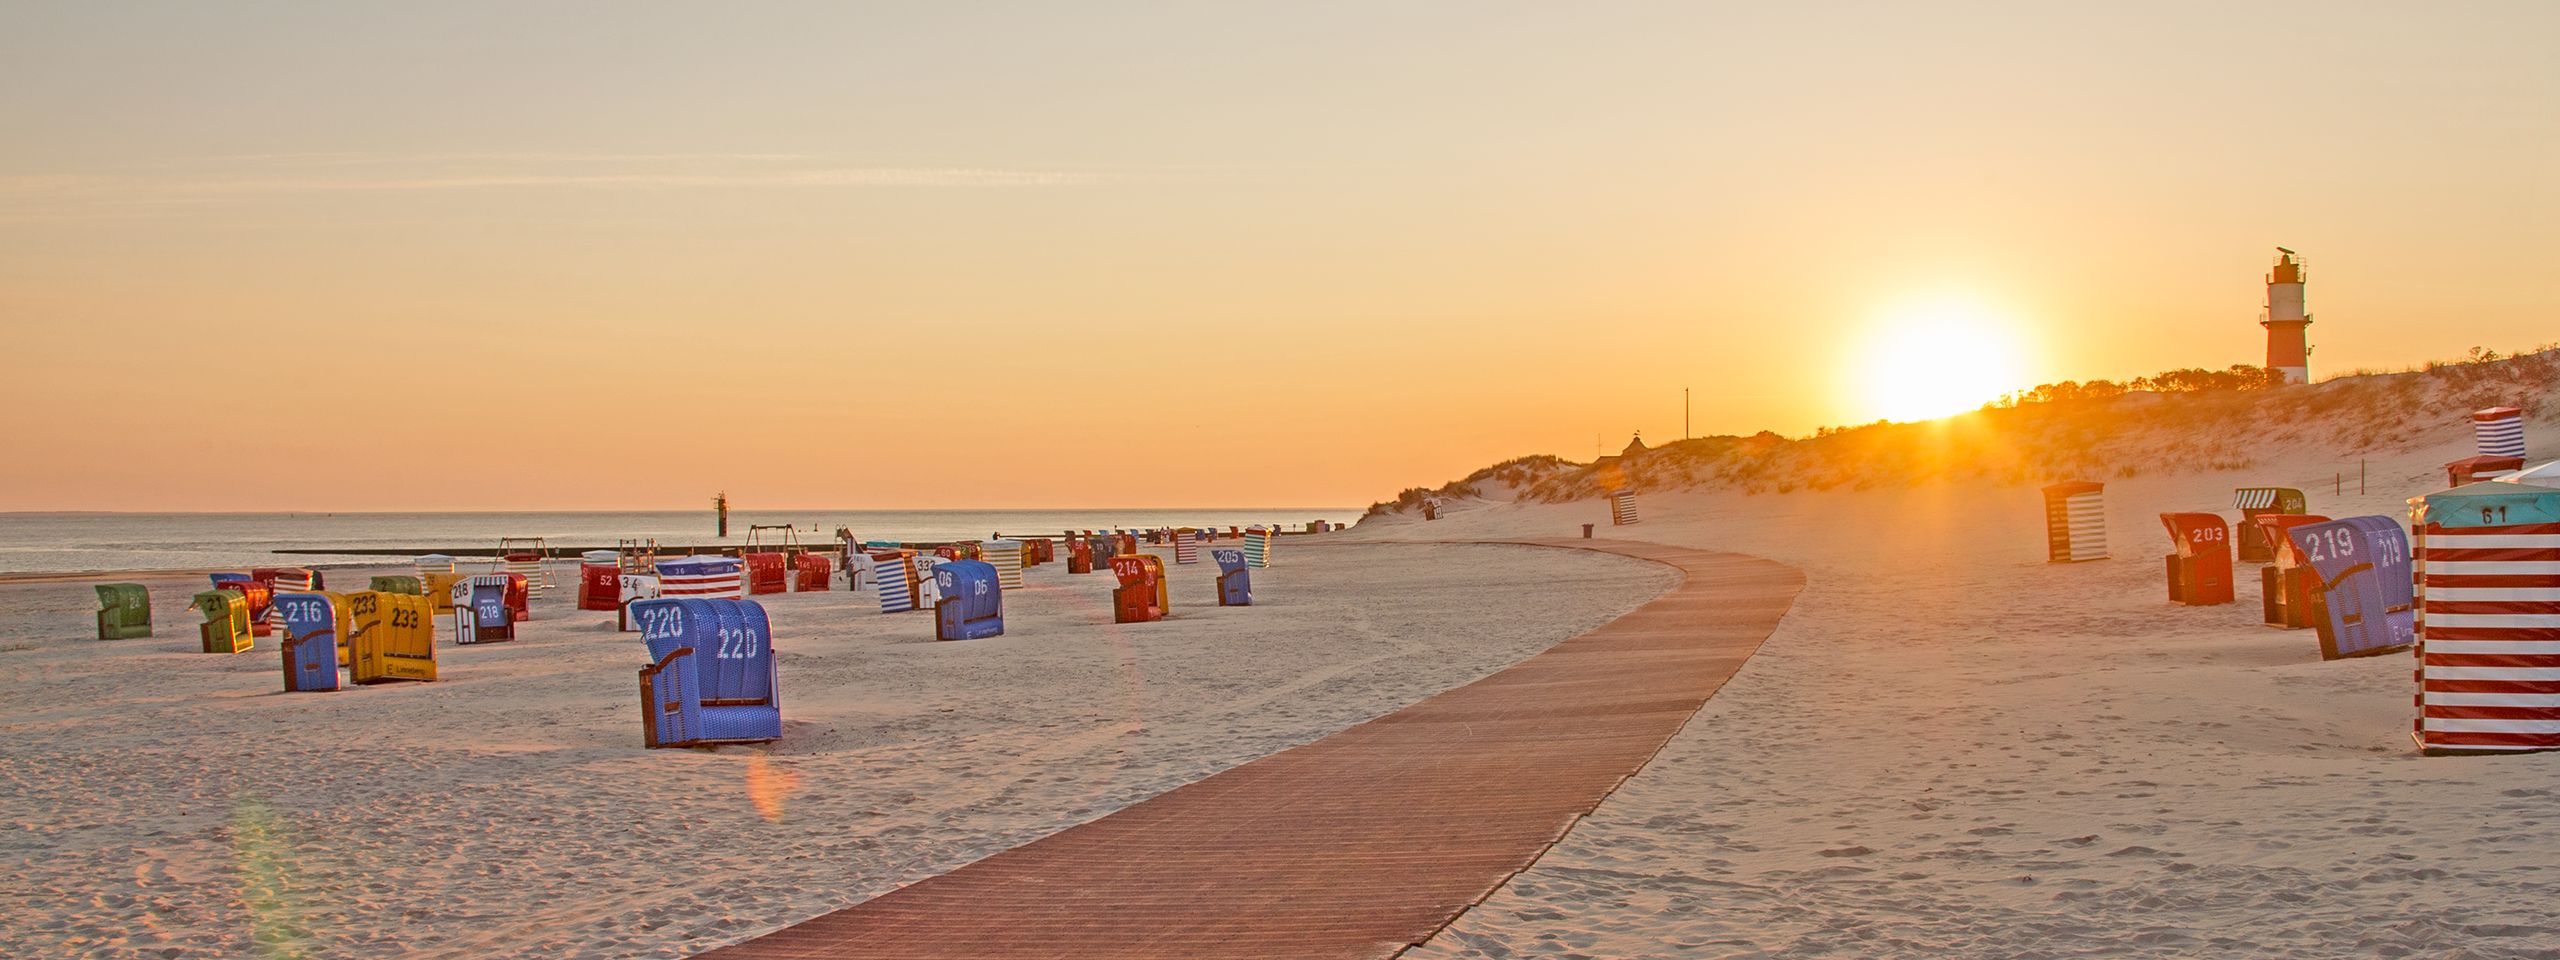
[
  {"x": 2499, "y": 432},
  {"x": 702, "y": 578},
  {"x": 407, "y": 584},
  {"x": 632, "y": 588},
  {"x": 2075, "y": 521},
  {"x": 2248, "y": 538},
  {"x": 895, "y": 583},
  {"x": 1006, "y": 557},
  {"x": 767, "y": 572},
  {"x": 712, "y": 673},
  {"x": 390, "y": 636}
]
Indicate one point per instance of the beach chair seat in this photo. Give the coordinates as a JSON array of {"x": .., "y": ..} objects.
[
  {"x": 226, "y": 621},
  {"x": 1140, "y": 597},
  {"x": 390, "y": 636},
  {"x": 481, "y": 613},
  {"x": 312, "y": 623},
  {"x": 1235, "y": 579},
  {"x": 970, "y": 604},
  {"x": 711, "y": 677},
  {"x": 124, "y": 611}
]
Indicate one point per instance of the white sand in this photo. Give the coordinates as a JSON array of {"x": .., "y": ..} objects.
[
  {"x": 1953, "y": 748},
  {"x": 158, "y": 799}
]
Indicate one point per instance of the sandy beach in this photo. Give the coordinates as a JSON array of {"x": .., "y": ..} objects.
[
  {"x": 1953, "y": 748},
  {"x": 165, "y": 800}
]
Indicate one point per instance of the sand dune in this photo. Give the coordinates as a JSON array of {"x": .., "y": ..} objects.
[
  {"x": 1952, "y": 748},
  {"x": 163, "y": 800}
]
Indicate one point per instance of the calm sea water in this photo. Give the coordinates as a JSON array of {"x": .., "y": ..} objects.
[{"x": 77, "y": 542}]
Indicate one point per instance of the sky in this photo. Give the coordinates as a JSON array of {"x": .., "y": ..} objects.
[{"x": 625, "y": 255}]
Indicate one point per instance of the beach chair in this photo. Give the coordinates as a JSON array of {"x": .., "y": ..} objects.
[
  {"x": 702, "y": 578},
  {"x": 259, "y": 596},
  {"x": 1124, "y": 543},
  {"x": 814, "y": 572},
  {"x": 481, "y": 613},
  {"x": 1141, "y": 595},
  {"x": 1006, "y": 557},
  {"x": 1235, "y": 580},
  {"x": 1079, "y": 557},
  {"x": 390, "y": 636},
  {"x": 1257, "y": 546},
  {"x": 403, "y": 584},
  {"x": 928, "y": 591},
  {"x": 312, "y": 624},
  {"x": 2364, "y": 587},
  {"x": 2491, "y": 615},
  {"x": 970, "y": 600},
  {"x": 2255, "y": 502},
  {"x": 1186, "y": 546},
  {"x": 2200, "y": 566},
  {"x": 2285, "y": 599},
  {"x": 632, "y": 588},
  {"x": 226, "y": 621},
  {"x": 124, "y": 611},
  {"x": 711, "y": 678},
  {"x": 2075, "y": 521},
  {"x": 766, "y": 572},
  {"x": 519, "y": 596},
  {"x": 438, "y": 587},
  {"x": 895, "y": 571},
  {"x": 599, "y": 585}
]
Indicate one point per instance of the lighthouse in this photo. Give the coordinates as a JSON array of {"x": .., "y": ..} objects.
[{"x": 2288, "y": 345}]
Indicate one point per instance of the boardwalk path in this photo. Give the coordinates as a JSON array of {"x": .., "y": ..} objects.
[{"x": 1357, "y": 845}]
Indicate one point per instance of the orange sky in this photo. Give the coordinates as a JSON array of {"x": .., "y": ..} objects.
[{"x": 625, "y": 255}]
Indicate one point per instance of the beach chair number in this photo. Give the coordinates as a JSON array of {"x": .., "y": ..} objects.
[
  {"x": 2493, "y": 516},
  {"x": 309, "y": 610},
  {"x": 737, "y": 645},
  {"x": 361, "y": 604},
  {"x": 663, "y": 623},
  {"x": 2205, "y": 535},
  {"x": 404, "y": 618}
]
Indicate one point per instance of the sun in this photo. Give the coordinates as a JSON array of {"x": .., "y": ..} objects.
[{"x": 1934, "y": 360}]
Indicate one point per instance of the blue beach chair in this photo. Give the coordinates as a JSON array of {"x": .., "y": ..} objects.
[
  {"x": 1235, "y": 580},
  {"x": 712, "y": 678},
  {"x": 972, "y": 601}
]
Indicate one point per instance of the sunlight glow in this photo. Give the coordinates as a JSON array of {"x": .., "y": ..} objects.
[{"x": 1934, "y": 360}]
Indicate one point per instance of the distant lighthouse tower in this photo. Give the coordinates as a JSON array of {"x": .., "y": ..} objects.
[{"x": 2288, "y": 345}]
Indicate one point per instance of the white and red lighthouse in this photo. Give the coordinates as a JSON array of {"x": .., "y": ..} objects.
[{"x": 2288, "y": 344}]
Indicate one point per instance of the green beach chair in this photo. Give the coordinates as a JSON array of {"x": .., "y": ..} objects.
[
  {"x": 124, "y": 611},
  {"x": 226, "y": 621},
  {"x": 404, "y": 585}
]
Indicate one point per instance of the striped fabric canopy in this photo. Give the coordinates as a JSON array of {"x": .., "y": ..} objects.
[{"x": 2489, "y": 653}]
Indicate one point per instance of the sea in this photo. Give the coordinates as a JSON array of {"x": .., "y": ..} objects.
[{"x": 46, "y": 543}]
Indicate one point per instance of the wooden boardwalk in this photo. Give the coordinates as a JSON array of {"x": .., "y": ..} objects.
[{"x": 1361, "y": 844}]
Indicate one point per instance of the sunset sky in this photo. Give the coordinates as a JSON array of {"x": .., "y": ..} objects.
[{"x": 624, "y": 255}]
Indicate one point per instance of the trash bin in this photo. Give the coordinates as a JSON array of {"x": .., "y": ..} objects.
[
  {"x": 1586, "y": 530},
  {"x": 2200, "y": 566},
  {"x": 2075, "y": 521}
]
